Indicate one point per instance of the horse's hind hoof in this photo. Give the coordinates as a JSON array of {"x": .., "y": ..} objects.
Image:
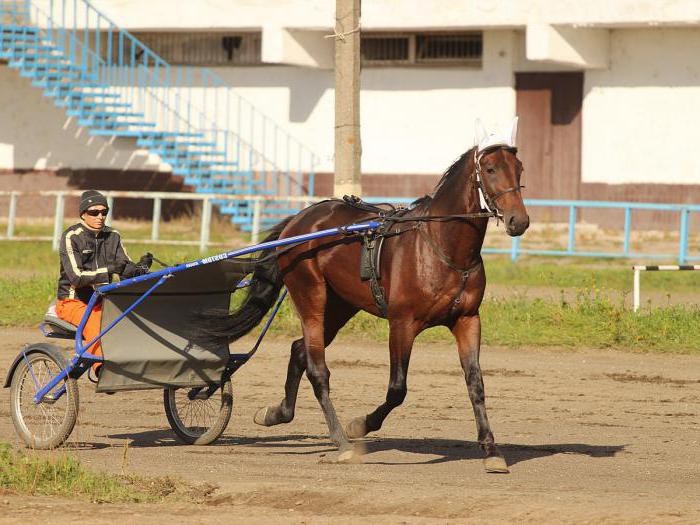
[
  {"x": 357, "y": 428},
  {"x": 496, "y": 465},
  {"x": 261, "y": 417}
]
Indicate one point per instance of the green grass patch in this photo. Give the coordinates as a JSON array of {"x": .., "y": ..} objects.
[
  {"x": 603, "y": 274},
  {"x": 28, "y": 274},
  {"x": 588, "y": 321},
  {"x": 63, "y": 475}
]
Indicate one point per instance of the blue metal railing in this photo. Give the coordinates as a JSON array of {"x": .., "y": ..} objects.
[
  {"x": 683, "y": 210},
  {"x": 211, "y": 135}
]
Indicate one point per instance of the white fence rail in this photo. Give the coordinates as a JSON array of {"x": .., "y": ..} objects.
[{"x": 157, "y": 198}]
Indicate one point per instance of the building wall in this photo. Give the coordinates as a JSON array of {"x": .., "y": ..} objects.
[
  {"x": 393, "y": 14},
  {"x": 34, "y": 134},
  {"x": 640, "y": 117}
]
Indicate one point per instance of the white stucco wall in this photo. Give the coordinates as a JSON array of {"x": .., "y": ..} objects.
[
  {"x": 636, "y": 114},
  {"x": 414, "y": 120},
  {"x": 34, "y": 134},
  {"x": 640, "y": 117},
  {"x": 395, "y": 14}
]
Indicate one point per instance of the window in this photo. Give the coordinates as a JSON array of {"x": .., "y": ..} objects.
[
  {"x": 199, "y": 49},
  {"x": 385, "y": 49},
  {"x": 421, "y": 49}
]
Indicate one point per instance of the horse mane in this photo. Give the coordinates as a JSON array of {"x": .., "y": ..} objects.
[{"x": 448, "y": 176}]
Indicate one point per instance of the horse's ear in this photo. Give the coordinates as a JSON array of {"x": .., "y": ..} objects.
[
  {"x": 514, "y": 132},
  {"x": 480, "y": 132}
]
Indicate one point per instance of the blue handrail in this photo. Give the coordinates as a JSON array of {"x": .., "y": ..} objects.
[
  {"x": 229, "y": 145},
  {"x": 515, "y": 250}
]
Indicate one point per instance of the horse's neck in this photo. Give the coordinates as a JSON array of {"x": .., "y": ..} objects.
[{"x": 459, "y": 196}]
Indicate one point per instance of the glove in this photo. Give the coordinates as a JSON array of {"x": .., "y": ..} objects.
[
  {"x": 146, "y": 261},
  {"x": 144, "y": 264}
]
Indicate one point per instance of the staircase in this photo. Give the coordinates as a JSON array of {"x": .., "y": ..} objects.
[{"x": 115, "y": 86}]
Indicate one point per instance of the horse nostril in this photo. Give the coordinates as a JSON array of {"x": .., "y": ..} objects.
[{"x": 511, "y": 221}]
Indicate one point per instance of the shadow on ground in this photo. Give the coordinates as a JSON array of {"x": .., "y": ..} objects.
[{"x": 445, "y": 449}]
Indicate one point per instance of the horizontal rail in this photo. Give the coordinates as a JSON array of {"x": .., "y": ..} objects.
[
  {"x": 259, "y": 202},
  {"x": 684, "y": 211}
]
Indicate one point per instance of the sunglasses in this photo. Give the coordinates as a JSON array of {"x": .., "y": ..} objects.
[{"x": 95, "y": 213}]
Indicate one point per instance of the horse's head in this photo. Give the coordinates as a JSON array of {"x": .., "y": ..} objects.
[{"x": 498, "y": 173}]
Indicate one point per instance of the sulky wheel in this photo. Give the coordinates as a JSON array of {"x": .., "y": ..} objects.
[
  {"x": 196, "y": 418},
  {"x": 48, "y": 424}
]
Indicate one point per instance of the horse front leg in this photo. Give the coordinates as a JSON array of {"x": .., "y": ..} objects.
[{"x": 467, "y": 332}]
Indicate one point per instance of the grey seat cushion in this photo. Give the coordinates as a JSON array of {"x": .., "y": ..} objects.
[{"x": 59, "y": 323}]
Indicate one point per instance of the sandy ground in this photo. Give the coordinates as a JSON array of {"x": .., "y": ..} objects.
[{"x": 591, "y": 437}]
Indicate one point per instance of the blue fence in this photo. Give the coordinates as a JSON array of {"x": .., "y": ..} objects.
[{"x": 683, "y": 210}]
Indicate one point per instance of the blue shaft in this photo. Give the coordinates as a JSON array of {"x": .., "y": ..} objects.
[
  {"x": 268, "y": 323},
  {"x": 240, "y": 252}
]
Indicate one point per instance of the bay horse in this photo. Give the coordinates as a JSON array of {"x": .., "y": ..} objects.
[{"x": 432, "y": 275}]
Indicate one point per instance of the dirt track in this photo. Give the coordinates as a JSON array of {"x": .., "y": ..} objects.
[{"x": 591, "y": 437}]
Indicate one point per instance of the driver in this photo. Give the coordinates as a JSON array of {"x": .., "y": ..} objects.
[{"x": 91, "y": 255}]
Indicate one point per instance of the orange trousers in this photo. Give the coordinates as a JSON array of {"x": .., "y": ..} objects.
[{"x": 72, "y": 310}]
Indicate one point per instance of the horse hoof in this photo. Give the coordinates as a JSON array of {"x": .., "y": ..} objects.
[
  {"x": 345, "y": 457},
  {"x": 357, "y": 428},
  {"x": 261, "y": 417},
  {"x": 496, "y": 465}
]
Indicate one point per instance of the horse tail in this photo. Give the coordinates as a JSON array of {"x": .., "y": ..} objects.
[{"x": 262, "y": 293}]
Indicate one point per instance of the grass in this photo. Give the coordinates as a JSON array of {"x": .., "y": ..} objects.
[
  {"x": 28, "y": 274},
  {"x": 591, "y": 322},
  {"x": 63, "y": 475}
]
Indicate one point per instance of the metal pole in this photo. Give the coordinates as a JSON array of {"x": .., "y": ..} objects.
[
  {"x": 11, "y": 215},
  {"x": 58, "y": 221},
  {"x": 156, "y": 218},
  {"x": 628, "y": 226},
  {"x": 348, "y": 147},
  {"x": 257, "y": 211},
  {"x": 206, "y": 223},
  {"x": 635, "y": 306},
  {"x": 683, "y": 242},
  {"x": 572, "y": 229},
  {"x": 514, "y": 249}
]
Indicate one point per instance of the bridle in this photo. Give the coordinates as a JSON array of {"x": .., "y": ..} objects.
[{"x": 489, "y": 201}]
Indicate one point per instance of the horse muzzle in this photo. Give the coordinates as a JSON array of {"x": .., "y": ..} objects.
[{"x": 516, "y": 225}]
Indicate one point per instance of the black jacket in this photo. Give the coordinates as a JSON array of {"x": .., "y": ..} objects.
[{"x": 89, "y": 259}]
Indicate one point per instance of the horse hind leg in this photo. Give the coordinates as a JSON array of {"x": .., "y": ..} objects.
[
  {"x": 338, "y": 313},
  {"x": 284, "y": 412},
  {"x": 401, "y": 339}
]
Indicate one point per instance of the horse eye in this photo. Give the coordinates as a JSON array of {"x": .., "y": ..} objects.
[{"x": 490, "y": 171}]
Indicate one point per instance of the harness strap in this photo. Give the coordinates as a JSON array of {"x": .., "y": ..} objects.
[{"x": 465, "y": 272}]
